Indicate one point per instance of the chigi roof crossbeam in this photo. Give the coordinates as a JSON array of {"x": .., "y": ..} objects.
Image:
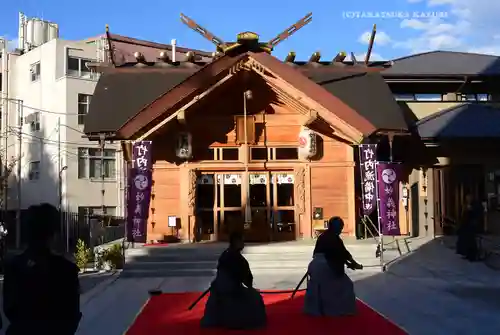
[{"x": 248, "y": 39}]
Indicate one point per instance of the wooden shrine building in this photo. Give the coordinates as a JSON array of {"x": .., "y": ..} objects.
[{"x": 246, "y": 132}]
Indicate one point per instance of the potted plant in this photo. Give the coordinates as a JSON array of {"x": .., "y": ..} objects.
[
  {"x": 113, "y": 257},
  {"x": 99, "y": 258}
]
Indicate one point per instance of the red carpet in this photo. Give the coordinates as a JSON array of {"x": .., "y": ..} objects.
[{"x": 168, "y": 314}]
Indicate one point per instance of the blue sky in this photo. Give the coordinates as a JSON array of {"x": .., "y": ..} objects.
[{"x": 422, "y": 25}]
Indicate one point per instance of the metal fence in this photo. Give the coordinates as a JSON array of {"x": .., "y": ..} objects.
[{"x": 94, "y": 230}]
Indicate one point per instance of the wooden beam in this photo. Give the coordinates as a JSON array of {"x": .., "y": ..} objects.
[
  {"x": 290, "y": 58},
  {"x": 315, "y": 57},
  {"x": 127, "y": 150},
  {"x": 313, "y": 116},
  {"x": 186, "y": 106},
  {"x": 370, "y": 45},
  {"x": 181, "y": 117}
]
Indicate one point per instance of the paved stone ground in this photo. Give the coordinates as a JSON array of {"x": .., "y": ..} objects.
[
  {"x": 88, "y": 282},
  {"x": 434, "y": 291},
  {"x": 431, "y": 291}
]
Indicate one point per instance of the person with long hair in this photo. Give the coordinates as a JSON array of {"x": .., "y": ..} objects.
[
  {"x": 233, "y": 302},
  {"x": 41, "y": 289},
  {"x": 330, "y": 292}
]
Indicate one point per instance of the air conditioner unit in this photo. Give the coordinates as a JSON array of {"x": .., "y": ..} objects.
[{"x": 30, "y": 118}]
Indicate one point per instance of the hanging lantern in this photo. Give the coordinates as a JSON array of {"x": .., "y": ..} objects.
[
  {"x": 307, "y": 143},
  {"x": 184, "y": 149}
]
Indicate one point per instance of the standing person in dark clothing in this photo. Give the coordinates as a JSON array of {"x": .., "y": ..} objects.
[
  {"x": 41, "y": 289},
  {"x": 3, "y": 243},
  {"x": 330, "y": 291},
  {"x": 468, "y": 229},
  {"x": 233, "y": 302}
]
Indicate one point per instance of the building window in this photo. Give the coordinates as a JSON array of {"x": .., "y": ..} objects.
[
  {"x": 227, "y": 154},
  {"x": 34, "y": 121},
  {"x": 35, "y": 71},
  {"x": 34, "y": 170},
  {"x": 404, "y": 97},
  {"x": 77, "y": 67},
  {"x": 419, "y": 97},
  {"x": 281, "y": 154},
  {"x": 443, "y": 97},
  {"x": 476, "y": 97},
  {"x": 83, "y": 107},
  {"x": 429, "y": 97},
  {"x": 96, "y": 164},
  {"x": 258, "y": 154}
]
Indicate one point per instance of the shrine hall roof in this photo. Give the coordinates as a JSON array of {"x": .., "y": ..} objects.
[
  {"x": 118, "y": 96},
  {"x": 361, "y": 88},
  {"x": 468, "y": 120}
]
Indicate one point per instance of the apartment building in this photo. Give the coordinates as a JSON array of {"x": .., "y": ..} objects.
[
  {"x": 46, "y": 92},
  {"x": 49, "y": 91}
]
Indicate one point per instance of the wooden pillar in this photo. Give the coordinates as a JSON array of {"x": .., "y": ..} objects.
[
  {"x": 191, "y": 203},
  {"x": 300, "y": 201},
  {"x": 307, "y": 223},
  {"x": 187, "y": 204}
]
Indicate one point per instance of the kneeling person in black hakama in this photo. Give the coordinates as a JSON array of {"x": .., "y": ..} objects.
[
  {"x": 233, "y": 302},
  {"x": 330, "y": 292}
]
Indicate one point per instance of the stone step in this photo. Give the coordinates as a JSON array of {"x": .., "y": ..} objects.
[
  {"x": 249, "y": 250},
  {"x": 199, "y": 260},
  {"x": 259, "y": 273},
  {"x": 212, "y": 264}
]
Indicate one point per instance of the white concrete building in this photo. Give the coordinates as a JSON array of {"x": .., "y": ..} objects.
[{"x": 46, "y": 90}]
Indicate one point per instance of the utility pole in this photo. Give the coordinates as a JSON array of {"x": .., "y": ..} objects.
[
  {"x": 20, "y": 115},
  {"x": 5, "y": 163},
  {"x": 4, "y": 103},
  {"x": 103, "y": 190},
  {"x": 5, "y": 186},
  {"x": 59, "y": 171}
]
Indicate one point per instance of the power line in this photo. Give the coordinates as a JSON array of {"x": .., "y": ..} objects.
[
  {"x": 45, "y": 141},
  {"x": 19, "y": 102},
  {"x": 49, "y": 141}
]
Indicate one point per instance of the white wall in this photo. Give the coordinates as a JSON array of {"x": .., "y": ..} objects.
[{"x": 56, "y": 95}]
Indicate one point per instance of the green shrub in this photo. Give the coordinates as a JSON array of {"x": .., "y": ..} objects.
[
  {"x": 81, "y": 255},
  {"x": 114, "y": 256}
]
